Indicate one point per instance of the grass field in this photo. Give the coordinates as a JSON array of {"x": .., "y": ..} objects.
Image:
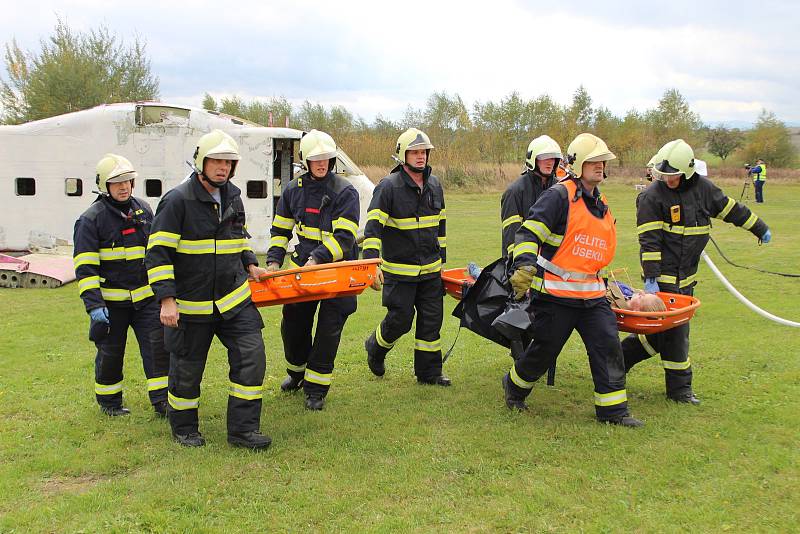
[{"x": 389, "y": 455}]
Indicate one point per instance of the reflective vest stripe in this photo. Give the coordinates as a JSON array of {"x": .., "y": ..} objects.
[
  {"x": 122, "y": 253},
  {"x": 685, "y": 230},
  {"x": 647, "y": 346},
  {"x": 727, "y": 209},
  {"x": 379, "y": 338},
  {"x": 235, "y": 297},
  {"x": 406, "y": 269},
  {"x": 195, "y": 307},
  {"x": 246, "y": 392},
  {"x": 346, "y": 224},
  {"x": 159, "y": 382},
  {"x": 750, "y": 221},
  {"x": 90, "y": 282},
  {"x": 519, "y": 381},
  {"x": 651, "y": 256},
  {"x": 372, "y": 242},
  {"x": 543, "y": 232},
  {"x": 649, "y": 227},
  {"x": 120, "y": 295},
  {"x": 511, "y": 220},
  {"x": 610, "y": 399},
  {"x": 179, "y": 403},
  {"x": 108, "y": 389},
  {"x": 583, "y": 286},
  {"x": 295, "y": 368},
  {"x": 442, "y": 241},
  {"x": 333, "y": 247},
  {"x": 284, "y": 223},
  {"x": 526, "y": 247},
  {"x": 323, "y": 379},
  {"x": 378, "y": 215},
  {"x": 162, "y": 272},
  {"x": 413, "y": 223},
  {"x": 669, "y": 279},
  {"x": 141, "y": 293},
  {"x": 676, "y": 366},
  {"x": 231, "y": 246},
  {"x": 164, "y": 239},
  {"x": 86, "y": 258},
  {"x": 279, "y": 241},
  {"x": 196, "y": 246},
  {"x": 428, "y": 346}
]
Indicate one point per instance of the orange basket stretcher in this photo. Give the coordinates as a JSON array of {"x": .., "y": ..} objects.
[
  {"x": 680, "y": 308},
  {"x": 315, "y": 282}
]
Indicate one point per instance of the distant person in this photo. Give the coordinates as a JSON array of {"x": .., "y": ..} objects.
[
  {"x": 541, "y": 163},
  {"x": 110, "y": 239},
  {"x": 759, "y": 174},
  {"x": 673, "y": 216},
  {"x": 406, "y": 227},
  {"x": 568, "y": 237},
  {"x": 325, "y": 210},
  {"x": 198, "y": 262}
]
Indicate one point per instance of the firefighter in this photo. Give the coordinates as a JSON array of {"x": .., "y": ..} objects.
[
  {"x": 673, "y": 216},
  {"x": 325, "y": 210},
  {"x": 110, "y": 239},
  {"x": 541, "y": 163},
  {"x": 568, "y": 237},
  {"x": 198, "y": 262},
  {"x": 406, "y": 227}
]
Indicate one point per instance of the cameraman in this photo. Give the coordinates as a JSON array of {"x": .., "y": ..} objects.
[{"x": 759, "y": 174}]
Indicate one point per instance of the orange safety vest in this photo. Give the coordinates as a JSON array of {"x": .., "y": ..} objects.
[{"x": 588, "y": 246}]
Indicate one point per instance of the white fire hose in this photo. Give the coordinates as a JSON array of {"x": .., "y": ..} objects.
[{"x": 742, "y": 298}]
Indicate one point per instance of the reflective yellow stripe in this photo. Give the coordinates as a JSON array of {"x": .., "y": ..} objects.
[
  {"x": 322, "y": 379},
  {"x": 406, "y": 269},
  {"x": 519, "y": 381},
  {"x": 115, "y": 295},
  {"x": 231, "y": 246},
  {"x": 333, "y": 247},
  {"x": 196, "y": 246},
  {"x": 379, "y": 338},
  {"x": 162, "y": 272},
  {"x": 510, "y": 249},
  {"x": 179, "y": 403},
  {"x": 346, "y": 224},
  {"x": 195, "y": 307},
  {"x": 156, "y": 383},
  {"x": 295, "y": 368},
  {"x": 527, "y": 247},
  {"x": 377, "y": 215},
  {"x": 651, "y": 256},
  {"x": 648, "y": 227},
  {"x": 689, "y": 280},
  {"x": 310, "y": 232},
  {"x": 676, "y": 366},
  {"x": 428, "y": 346},
  {"x": 121, "y": 253},
  {"x": 372, "y": 242},
  {"x": 411, "y": 223},
  {"x": 538, "y": 228},
  {"x": 246, "y": 392},
  {"x": 164, "y": 239},
  {"x": 610, "y": 399},
  {"x": 647, "y": 346},
  {"x": 750, "y": 221},
  {"x": 511, "y": 220},
  {"x": 727, "y": 209},
  {"x": 283, "y": 222},
  {"x": 685, "y": 230},
  {"x": 279, "y": 241},
  {"x": 443, "y": 214},
  {"x": 108, "y": 389},
  {"x": 442, "y": 241},
  {"x": 232, "y": 299},
  {"x": 141, "y": 293},
  {"x": 86, "y": 258},
  {"x": 90, "y": 282},
  {"x": 667, "y": 279}
]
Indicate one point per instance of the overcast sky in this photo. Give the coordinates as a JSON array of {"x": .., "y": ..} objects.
[{"x": 729, "y": 59}]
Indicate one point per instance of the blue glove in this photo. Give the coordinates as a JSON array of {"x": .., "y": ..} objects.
[
  {"x": 650, "y": 285},
  {"x": 99, "y": 315},
  {"x": 767, "y": 237}
]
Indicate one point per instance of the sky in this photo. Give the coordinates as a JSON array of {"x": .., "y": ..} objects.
[{"x": 729, "y": 59}]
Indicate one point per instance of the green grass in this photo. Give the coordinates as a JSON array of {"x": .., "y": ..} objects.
[{"x": 389, "y": 455}]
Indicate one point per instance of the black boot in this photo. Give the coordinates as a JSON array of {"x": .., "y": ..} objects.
[
  {"x": 161, "y": 409},
  {"x": 513, "y": 401},
  {"x": 315, "y": 402},
  {"x": 250, "y": 440},
  {"x": 291, "y": 383},
  {"x": 192, "y": 439},
  {"x": 684, "y": 398},
  {"x": 440, "y": 380},
  {"x": 374, "y": 361},
  {"x": 625, "y": 420},
  {"x": 115, "y": 411}
]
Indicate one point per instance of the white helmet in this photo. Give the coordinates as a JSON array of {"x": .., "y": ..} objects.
[{"x": 112, "y": 169}]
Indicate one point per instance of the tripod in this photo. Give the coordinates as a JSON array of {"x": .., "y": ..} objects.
[{"x": 745, "y": 190}]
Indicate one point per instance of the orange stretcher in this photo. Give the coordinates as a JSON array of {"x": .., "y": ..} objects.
[
  {"x": 315, "y": 282},
  {"x": 680, "y": 308}
]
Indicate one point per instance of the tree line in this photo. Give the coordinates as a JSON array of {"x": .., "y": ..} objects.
[{"x": 78, "y": 70}]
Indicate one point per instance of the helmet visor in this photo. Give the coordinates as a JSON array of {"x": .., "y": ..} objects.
[
  {"x": 550, "y": 155},
  {"x": 323, "y": 156},
  {"x": 124, "y": 177},
  {"x": 223, "y": 155}
]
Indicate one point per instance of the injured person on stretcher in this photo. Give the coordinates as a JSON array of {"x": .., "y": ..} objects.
[{"x": 623, "y": 297}]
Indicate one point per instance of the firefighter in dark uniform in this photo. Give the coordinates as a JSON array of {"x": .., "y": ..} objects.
[
  {"x": 541, "y": 162},
  {"x": 198, "y": 261},
  {"x": 568, "y": 237},
  {"x": 673, "y": 216},
  {"x": 324, "y": 209},
  {"x": 406, "y": 227},
  {"x": 110, "y": 239}
]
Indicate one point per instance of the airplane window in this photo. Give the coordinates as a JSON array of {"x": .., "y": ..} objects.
[
  {"x": 25, "y": 187},
  {"x": 152, "y": 187},
  {"x": 73, "y": 187},
  {"x": 257, "y": 189}
]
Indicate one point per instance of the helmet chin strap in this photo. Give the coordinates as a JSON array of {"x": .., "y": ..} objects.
[{"x": 212, "y": 183}]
